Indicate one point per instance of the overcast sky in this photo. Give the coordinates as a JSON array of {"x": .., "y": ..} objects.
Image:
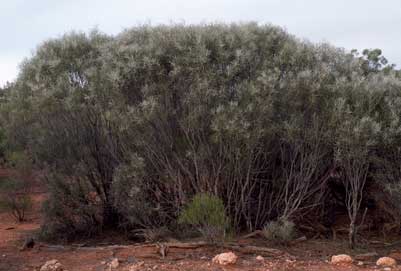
[{"x": 345, "y": 23}]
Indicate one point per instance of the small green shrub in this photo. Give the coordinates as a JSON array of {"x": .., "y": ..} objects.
[
  {"x": 207, "y": 214},
  {"x": 280, "y": 231}
]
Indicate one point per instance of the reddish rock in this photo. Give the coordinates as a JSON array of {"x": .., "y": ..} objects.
[
  {"x": 225, "y": 258},
  {"x": 386, "y": 261},
  {"x": 341, "y": 259}
]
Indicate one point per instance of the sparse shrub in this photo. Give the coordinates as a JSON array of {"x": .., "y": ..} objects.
[
  {"x": 280, "y": 231},
  {"x": 15, "y": 198},
  {"x": 207, "y": 214},
  {"x": 15, "y": 189},
  {"x": 70, "y": 210}
]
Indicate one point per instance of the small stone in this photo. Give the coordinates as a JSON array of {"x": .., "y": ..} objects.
[
  {"x": 225, "y": 258},
  {"x": 260, "y": 258},
  {"x": 103, "y": 262},
  {"x": 387, "y": 268},
  {"x": 114, "y": 263},
  {"x": 386, "y": 261},
  {"x": 341, "y": 259},
  {"x": 360, "y": 263},
  {"x": 52, "y": 265}
]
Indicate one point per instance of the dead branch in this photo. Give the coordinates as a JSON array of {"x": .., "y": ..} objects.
[
  {"x": 190, "y": 245},
  {"x": 253, "y": 234},
  {"x": 255, "y": 250},
  {"x": 298, "y": 240}
]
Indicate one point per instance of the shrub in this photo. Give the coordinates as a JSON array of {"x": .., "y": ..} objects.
[
  {"x": 207, "y": 214},
  {"x": 15, "y": 198},
  {"x": 15, "y": 190},
  {"x": 247, "y": 112},
  {"x": 71, "y": 210},
  {"x": 280, "y": 231}
]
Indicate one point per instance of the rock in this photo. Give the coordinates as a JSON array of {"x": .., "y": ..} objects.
[
  {"x": 342, "y": 258},
  {"x": 260, "y": 258},
  {"x": 114, "y": 263},
  {"x": 360, "y": 263},
  {"x": 225, "y": 258},
  {"x": 386, "y": 261},
  {"x": 52, "y": 265},
  {"x": 387, "y": 268}
]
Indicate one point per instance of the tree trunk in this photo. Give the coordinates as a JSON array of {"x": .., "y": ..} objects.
[
  {"x": 110, "y": 216},
  {"x": 352, "y": 234}
]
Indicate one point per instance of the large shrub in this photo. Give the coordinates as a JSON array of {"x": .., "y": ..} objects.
[{"x": 143, "y": 121}]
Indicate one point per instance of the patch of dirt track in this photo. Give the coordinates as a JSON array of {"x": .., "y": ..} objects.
[{"x": 311, "y": 255}]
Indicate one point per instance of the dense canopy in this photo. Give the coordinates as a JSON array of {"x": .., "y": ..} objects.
[{"x": 129, "y": 128}]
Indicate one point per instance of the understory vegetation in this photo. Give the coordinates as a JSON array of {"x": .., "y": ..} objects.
[
  {"x": 265, "y": 127},
  {"x": 15, "y": 190}
]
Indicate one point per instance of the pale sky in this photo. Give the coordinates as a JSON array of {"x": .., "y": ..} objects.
[{"x": 24, "y": 24}]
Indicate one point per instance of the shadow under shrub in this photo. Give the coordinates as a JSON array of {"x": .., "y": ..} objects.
[{"x": 71, "y": 211}]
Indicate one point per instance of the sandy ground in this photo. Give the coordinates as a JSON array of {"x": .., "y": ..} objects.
[{"x": 310, "y": 255}]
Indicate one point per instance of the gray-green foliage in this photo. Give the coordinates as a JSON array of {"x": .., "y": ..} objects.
[
  {"x": 281, "y": 231},
  {"x": 146, "y": 119}
]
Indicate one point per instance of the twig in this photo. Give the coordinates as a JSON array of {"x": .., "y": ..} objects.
[{"x": 252, "y": 234}]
